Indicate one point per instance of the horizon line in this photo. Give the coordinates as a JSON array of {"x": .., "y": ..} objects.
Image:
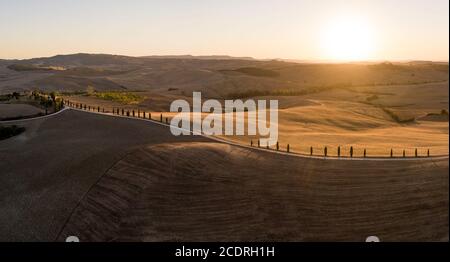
[{"x": 295, "y": 60}]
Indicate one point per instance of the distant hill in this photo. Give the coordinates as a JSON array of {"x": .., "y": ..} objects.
[
  {"x": 83, "y": 59},
  {"x": 211, "y": 57},
  {"x": 216, "y": 75}
]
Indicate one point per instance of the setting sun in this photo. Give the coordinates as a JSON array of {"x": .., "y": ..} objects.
[{"x": 347, "y": 38}]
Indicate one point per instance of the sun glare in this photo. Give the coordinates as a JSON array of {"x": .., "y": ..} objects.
[{"x": 347, "y": 38}]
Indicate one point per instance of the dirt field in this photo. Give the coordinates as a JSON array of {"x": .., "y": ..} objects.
[
  {"x": 211, "y": 192},
  {"x": 112, "y": 179},
  {"x": 18, "y": 110},
  {"x": 47, "y": 169}
]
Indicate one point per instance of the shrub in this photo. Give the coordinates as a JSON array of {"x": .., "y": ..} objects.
[
  {"x": 16, "y": 95},
  {"x": 10, "y": 131},
  {"x": 122, "y": 97}
]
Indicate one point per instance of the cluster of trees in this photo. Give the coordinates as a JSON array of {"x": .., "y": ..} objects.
[
  {"x": 48, "y": 100},
  {"x": 14, "y": 95}
]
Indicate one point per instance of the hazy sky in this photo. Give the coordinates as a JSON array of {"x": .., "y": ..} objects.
[{"x": 297, "y": 29}]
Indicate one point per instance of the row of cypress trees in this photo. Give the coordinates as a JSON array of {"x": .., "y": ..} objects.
[{"x": 339, "y": 151}]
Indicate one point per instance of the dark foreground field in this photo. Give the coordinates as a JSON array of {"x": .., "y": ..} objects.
[{"x": 110, "y": 179}]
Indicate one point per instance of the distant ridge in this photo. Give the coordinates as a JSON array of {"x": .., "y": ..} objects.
[
  {"x": 209, "y": 57},
  {"x": 84, "y": 59}
]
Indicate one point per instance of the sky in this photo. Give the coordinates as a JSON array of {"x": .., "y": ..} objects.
[{"x": 289, "y": 29}]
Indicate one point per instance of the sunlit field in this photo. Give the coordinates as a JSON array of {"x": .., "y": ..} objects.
[{"x": 395, "y": 107}]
